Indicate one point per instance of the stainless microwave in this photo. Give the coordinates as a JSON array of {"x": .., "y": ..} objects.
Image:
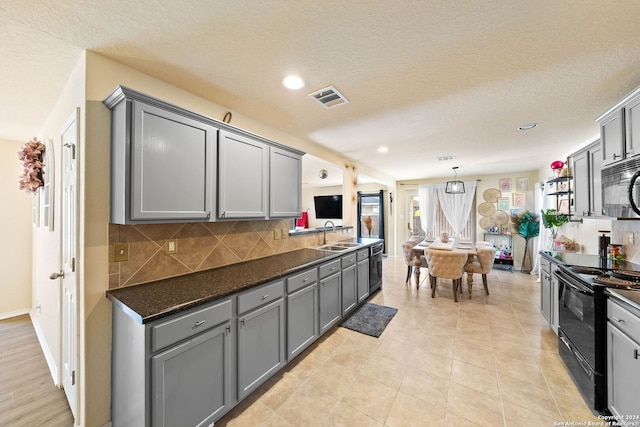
[{"x": 621, "y": 189}]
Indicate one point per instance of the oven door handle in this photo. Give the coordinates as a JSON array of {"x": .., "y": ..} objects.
[
  {"x": 577, "y": 286},
  {"x": 632, "y": 183}
]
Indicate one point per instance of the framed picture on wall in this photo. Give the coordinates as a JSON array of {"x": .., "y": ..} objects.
[
  {"x": 563, "y": 206},
  {"x": 505, "y": 184},
  {"x": 503, "y": 204},
  {"x": 518, "y": 200},
  {"x": 516, "y": 211},
  {"x": 522, "y": 183}
]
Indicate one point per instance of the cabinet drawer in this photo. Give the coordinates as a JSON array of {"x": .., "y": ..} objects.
[
  {"x": 301, "y": 280},
  {"x": 545, "y": 265},
  {"x": 191, "y": 323},
  {"x": 363, "y": 254},
  {"x": 624, "y": 320},
  {"x": 329, "y": 268},
  {"x": 260, "y": 296},
  {"x": 348, "y": 260}
]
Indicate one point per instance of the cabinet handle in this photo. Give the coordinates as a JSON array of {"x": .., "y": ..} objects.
[
  {"x": 636, "y": 354},
  {"x": 199, "y": 322},
  {"x": 618, "y": 320},
  {"x": 615, "y": 156},
  {"x": 223, "y": 214},
  {"x": 305, "y": 279},
  {"x": 242, "y": 322},
  {"x": 265, "y": 296},
  {"x": 228, "y": 329}
]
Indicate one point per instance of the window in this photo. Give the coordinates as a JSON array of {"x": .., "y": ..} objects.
[{"x": 415, "y": 230}]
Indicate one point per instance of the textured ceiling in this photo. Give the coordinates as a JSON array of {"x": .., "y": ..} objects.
[{"x": 425, "y": 78}]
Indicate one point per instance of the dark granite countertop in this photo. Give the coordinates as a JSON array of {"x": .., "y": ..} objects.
[
  {"x": 587, "y": 260},
  {"x": 151, "y": 301}
]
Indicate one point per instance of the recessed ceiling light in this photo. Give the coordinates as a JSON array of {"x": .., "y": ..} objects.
[
  {"x": 527, "y": 126},
  {"x": 293, "y": 82},
  {"x": 383, "y": 149}
]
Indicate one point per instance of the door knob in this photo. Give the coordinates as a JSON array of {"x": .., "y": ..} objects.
[{"x": 55, "y": 276}]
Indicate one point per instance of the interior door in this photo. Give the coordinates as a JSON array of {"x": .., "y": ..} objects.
[{"x": 69, "y": 207}]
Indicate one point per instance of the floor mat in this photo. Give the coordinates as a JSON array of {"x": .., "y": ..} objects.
[{"x": 370, "y": 319}]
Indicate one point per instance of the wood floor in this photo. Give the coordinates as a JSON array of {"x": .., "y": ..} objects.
[{"x": 28, "y": 396}]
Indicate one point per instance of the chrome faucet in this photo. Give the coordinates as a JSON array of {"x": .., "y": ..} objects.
[{"x": 325, "y": 230}]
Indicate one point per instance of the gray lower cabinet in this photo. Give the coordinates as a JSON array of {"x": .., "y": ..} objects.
[
  {"x": 549, "y": 293},
  {"x": 191, "y": 381},
  {"x": 330, "y": 292},
  {"x": 363, "y": 274},
  {"x": 261, "y": 336},
  {"x": 242, "y": 177},
  {"x": 623, "y": 360},
  {"x": 302, "y": 311},
  {"x": 176, "y": 371},
  {"x": 349, "y": 283}
]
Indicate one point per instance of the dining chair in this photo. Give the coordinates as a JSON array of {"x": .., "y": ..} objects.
[
  {"x": 446, "y": 265},
  {"x": 410, "y": 257},
  {"x": 485, "y": 258}
]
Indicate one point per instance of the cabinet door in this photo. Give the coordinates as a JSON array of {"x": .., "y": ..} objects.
[
  {"x": 363, "y": 279},
  {"x": 623, "y": 372},
  {"x": 191, "y": 382},
  {"x": 242, "y": 177},
  {"x": 349, "y": 289},
  {"x": 632, "y": 125},
  {"x": 285, "y": 184},
  {"x": 612, "y": 135},
  {"x": 172, "y": 175},
  {"x": 595, "y": 175},
  {"x": 554, "y": 310},
  {"x": 581, "y": 183},
  {"x": 260, "y": 346},
  {"x": 302, "y": 319},
  {"x": 545, "y": 295},
  {"x": 330, "y": 302}
]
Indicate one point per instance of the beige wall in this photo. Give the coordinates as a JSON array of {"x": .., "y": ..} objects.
[{"x": 15, "y": 217}]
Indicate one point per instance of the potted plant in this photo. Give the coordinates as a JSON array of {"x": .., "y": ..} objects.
[
  {"x": 527, "y": 225},
  {"x": 552, "y": 220}
]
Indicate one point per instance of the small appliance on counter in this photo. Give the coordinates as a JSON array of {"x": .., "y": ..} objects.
[{"x": 603, "y": 243}]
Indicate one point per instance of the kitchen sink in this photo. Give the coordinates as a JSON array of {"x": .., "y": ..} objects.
[
  {"x": 333, "y": 247},
  {"x": 346, "y": 244}
]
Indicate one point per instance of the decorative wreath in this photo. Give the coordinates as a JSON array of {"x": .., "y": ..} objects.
[{"x": 31, "y": 156}]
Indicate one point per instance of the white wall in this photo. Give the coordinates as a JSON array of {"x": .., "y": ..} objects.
[{"x": 15, "y": 217}]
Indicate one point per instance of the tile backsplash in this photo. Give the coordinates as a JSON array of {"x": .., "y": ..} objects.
[{"x": 200, "y": 246}]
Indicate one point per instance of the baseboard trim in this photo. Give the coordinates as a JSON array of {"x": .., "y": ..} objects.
[
  {"x": 16, "y": 313},
  {"x": 53, "y": 369}
]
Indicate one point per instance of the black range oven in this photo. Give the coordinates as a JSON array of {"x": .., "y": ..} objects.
[{"x": 582, "y": 341}]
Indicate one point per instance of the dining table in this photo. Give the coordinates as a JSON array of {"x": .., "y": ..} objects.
[{"x": 462, "y": 246}]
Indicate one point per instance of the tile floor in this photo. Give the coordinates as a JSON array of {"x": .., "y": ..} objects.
[{"x": 486, "y": 361}]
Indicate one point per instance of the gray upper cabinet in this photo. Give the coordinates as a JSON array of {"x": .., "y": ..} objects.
[
  {"x": 242, "y": 177},
  {"x": 162, "y": 162},
  {"x": 620, "y": 129},
  {"x": 612, "y": 136},
  {"x": 285, "y": 183},
  {"x": 587, "y": 168},
  {"x": 632, "y": 125},
  {"x": 169, "y": 164}
]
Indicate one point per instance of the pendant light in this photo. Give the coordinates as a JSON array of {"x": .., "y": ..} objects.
[{"x": 456, "y": 186}]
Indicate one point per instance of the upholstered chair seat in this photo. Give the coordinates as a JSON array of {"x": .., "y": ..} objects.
[
  {"x": 410, "y": 257},
  {"x": 445, "y": 265},
  {"x": 484, "y": 263}
]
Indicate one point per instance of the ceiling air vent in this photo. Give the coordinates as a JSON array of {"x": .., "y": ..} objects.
[{"x": 329, "y": 97}]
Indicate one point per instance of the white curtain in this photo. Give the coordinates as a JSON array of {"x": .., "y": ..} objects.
[
  {"x": 428, "y": 204},
  {"x": 456, "y": 207}
]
